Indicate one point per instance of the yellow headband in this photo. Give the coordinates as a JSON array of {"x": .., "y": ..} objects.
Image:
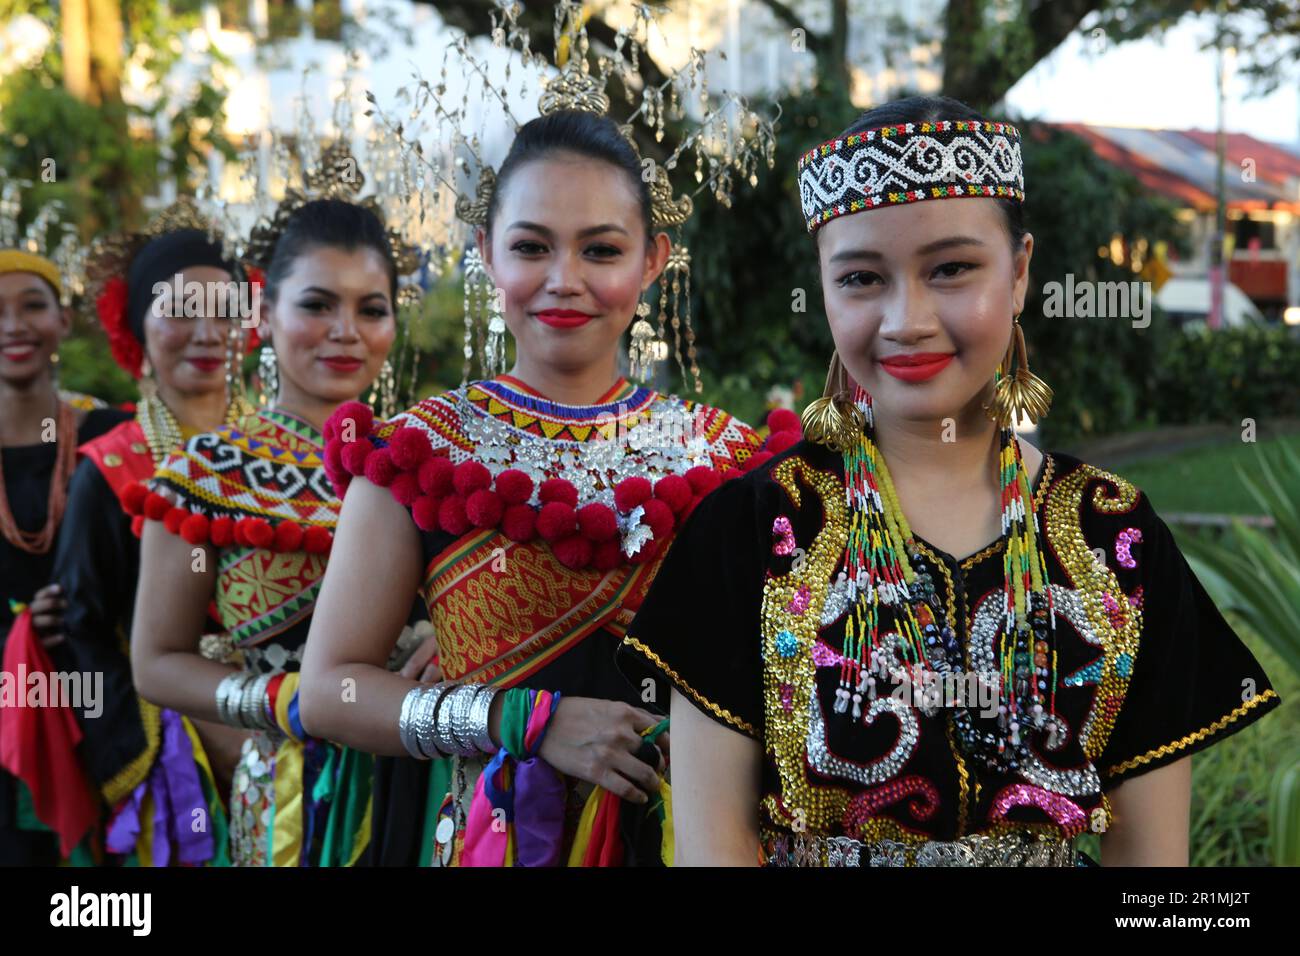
[{"x": 15, "y": 260}]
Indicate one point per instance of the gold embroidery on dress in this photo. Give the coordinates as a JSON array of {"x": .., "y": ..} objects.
[
  {"x": 119, "y": 786},
  {"x": 1091, "y": 580},
  {"x": 821, "y": 807},
  {"x": 677, "y": 679},
  {"x": 1169, "y": 748}
]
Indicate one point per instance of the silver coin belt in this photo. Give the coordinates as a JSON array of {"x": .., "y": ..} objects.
[{"x": 1003, "y": 849}]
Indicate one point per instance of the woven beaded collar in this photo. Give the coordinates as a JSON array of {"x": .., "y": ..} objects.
[{"x": 899, "y": 164}]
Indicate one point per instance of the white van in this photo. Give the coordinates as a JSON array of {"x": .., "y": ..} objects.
[{"x": 1186, "y": 302}]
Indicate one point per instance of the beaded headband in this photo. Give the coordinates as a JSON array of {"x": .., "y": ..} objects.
[
  {"x": 16, "y": 260},
  {"x": 891, "y": 165}
]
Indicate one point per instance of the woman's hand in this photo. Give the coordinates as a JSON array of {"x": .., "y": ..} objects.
[
  {"x": 422, "y": 665},
  {"x": 597, "y": 740},
  {"x": 47, "y": 609}
]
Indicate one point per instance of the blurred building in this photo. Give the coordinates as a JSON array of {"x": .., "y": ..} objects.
[{"x": 1262, "y": 185}]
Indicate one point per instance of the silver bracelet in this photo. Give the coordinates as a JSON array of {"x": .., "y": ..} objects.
[
  {"x": 251, "y": 710},
  {"x": 427, "y": 738},
  {"x": 415, "y": 724},
  {"x": 229, "y": 695},
  {"x": 479, "y": 714},
  {"x": 441, "y": 726},
  {"x": 459, "y": 719},
  {"x": 447, "y": 720},
  {"x": 405, "y": 723}
]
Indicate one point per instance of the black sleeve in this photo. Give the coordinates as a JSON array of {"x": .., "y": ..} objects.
[
  {"x": 1193, "y": 681},
  {"x": 96, "y": 563},
  {"x": 98, "y": 421},
  {"x": 699, "y": 625}
]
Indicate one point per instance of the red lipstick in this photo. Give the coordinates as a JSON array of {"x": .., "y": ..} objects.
[
  {"x": 205, "y": 364},
  {"x": 916, "y": 366},
  {"x": 563, "y": 318},
  {"x": 342, "y": 363},
  {"x": 18, "y": 351}
]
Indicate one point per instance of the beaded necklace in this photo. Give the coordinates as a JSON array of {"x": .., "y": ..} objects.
[
  {"x": 65, "y": 452},
  {"x": 887, "y": 569},
  {"x": 163, "y": 433}
]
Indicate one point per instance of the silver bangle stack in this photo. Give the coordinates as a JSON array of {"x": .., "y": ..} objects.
[
  {"x": 447, "y": 720},
  {"x": 242, "y": 701}
]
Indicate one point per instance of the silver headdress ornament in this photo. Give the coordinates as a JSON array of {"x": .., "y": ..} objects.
[
  {"x": 61, "y": 263},
  {"x": 280, "y": 173},
  {"x": 728, "y": 139}
]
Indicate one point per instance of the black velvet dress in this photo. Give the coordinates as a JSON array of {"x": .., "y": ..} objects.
[
  {"x": 751, "y": 630},
  {"x": 28, "y": 470}
]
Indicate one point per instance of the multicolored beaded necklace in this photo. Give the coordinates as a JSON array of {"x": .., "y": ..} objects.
[{"x": 914, "y": 636}]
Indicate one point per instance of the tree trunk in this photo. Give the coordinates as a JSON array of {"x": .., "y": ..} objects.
[
  {"x": 74, "y": 17},
  {"x": 106, "y": 42},
  {"x": 836, "y": 61}
]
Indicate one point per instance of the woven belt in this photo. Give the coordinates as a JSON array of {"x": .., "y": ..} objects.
[{"x": 1002, "y": 849}]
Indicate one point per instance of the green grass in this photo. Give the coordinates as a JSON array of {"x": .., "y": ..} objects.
[
  {"x": 1201, "y": 479},
  {"x": 1230, "y": 780}
]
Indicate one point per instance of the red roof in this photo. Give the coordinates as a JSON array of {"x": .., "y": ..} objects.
[
  {"x": 1277, "y": 171},
  {"x": 1272, "y": 162}
]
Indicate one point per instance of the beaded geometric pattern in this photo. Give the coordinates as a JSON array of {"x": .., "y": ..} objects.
[
  {"x": 648, "y": 434},
  {"x": 908, "y": 163},
  {"x": 268, "y": 467}
]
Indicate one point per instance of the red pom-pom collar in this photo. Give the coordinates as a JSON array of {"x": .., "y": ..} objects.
[{"x": 455, "y": 498}]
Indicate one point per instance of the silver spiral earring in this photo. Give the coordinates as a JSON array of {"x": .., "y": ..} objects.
[{"x": 268, "y": 371}]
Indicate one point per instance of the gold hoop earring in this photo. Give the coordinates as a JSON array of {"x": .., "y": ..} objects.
[
  {"x": 834, "y": 420},
  {"x": 1018, "y": 394}
]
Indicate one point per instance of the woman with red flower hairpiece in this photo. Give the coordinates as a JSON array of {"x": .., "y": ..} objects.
[
  {"x": 145, "y": 760},
  {"x": 530, "y": 511},
  {"x": 242, "y": 518},
  {"x": 40, "y": 428}
]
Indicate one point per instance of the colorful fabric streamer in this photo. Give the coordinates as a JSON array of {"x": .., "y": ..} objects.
[
  {"x": 172, "y": 796},
  {"x": 516, "y": 817},
  {"x": 38, "y": 745}
]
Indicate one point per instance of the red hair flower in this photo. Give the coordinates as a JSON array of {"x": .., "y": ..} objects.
[
  {"x": 111, "y": 308},
  {"x": 257, "y": 280}
]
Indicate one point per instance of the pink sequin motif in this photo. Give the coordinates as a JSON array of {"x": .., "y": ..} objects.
[
  {"x": 799, "y": 603},
  {"x": 869, "y": 803},
  {"x": 1113, "y": 610},
  {"x": 824, "y": 656},
  {"x": 1124, "y": 541},
  {"x": 787, "y": 697},
  {"x": 784, "y": 533},
  {"x": 1067, "y": 814},
  {"x": 1135, "y": 599}
]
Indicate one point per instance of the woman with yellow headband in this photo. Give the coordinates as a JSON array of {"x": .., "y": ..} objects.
[
  {"x": 40, "y": 430},
  {"x": 915, "y": 639}
]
